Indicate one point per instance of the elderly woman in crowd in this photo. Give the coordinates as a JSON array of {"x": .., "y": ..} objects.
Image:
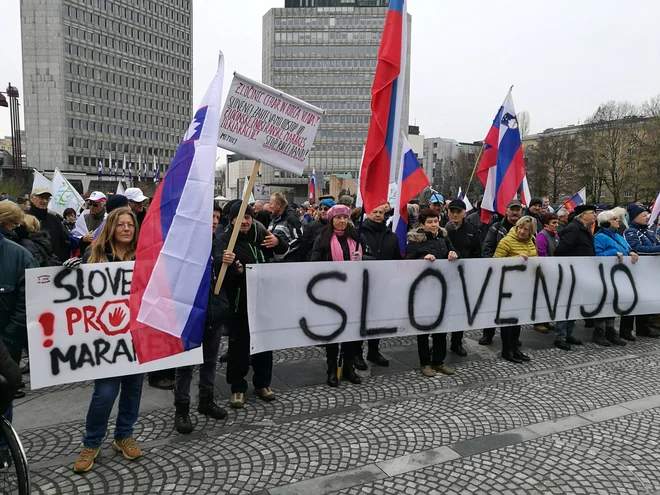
[
  {"x": 338, "y": 241},
  {"x": 607, "y": 242},
  {"x": 519, "y": 242},
  {"x": 431, "y": 242}
]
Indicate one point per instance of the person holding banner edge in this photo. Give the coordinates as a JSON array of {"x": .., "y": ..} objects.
[
  {"x": 519, "y": 242},
  {"x": 216, "y": 313},
  {"x": 249, "y": 249},
  {"x": 338, "y": 241},
  {"x": 117, "y": 241},
  {"x": 430, "y": 242}
]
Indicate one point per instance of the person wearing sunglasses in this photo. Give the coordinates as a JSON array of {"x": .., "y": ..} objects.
[{"x": 313, "y": 229}]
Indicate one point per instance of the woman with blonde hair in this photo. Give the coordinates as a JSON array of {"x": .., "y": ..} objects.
[
  {"x": 519, "y": 242},
  {"x": 11, "y": 216},
  {"x": 117, "y": 241}
]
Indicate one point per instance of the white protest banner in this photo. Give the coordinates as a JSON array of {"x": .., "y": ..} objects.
[
  {"x": 268, "y": 125},
  {"x": 41, "y": 180},
  {"x": 78, "y": 325},
  {"x": 64, "y": 195},
  {"x": 339, "y": 302}
]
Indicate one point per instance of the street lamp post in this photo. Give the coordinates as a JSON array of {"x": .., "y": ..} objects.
[{"x": 17, "y": 152}]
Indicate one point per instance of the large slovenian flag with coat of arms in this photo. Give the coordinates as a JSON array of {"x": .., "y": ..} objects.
[
  {"x": 172, "y": 273},
  {"x": 502, "y": 166}
]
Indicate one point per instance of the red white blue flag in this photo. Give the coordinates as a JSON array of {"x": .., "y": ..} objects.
[
  {"x": 172, "y": 276},
  {"x": 577, "y": 199},
  {"x": 380, "y": 152},
  {"x": 412, "y": 181},
  {"x": 502, "y": 166},
  {"x": 312, "y": 186}
]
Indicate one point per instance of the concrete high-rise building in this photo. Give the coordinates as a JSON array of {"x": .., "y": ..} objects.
[
  {"x": 440, "y": 154},
  {"x": 105, "y": 76},
  {"x": 325, "y": 52}
]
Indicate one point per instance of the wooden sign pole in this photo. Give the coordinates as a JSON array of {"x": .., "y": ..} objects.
[{"x": 236, "y": 229}]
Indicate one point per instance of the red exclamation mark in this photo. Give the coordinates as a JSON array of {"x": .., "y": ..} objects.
[{"x": 47, "y": 321}]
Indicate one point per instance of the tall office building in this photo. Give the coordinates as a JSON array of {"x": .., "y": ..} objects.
[
  {"x": 325, "y": 52},
  {"x": 105, "y": 76}
]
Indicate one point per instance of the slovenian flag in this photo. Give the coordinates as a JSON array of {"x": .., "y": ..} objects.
[
  {"x": 502, "y": 166},
  {"x": 412, "y": 181},
  {"x": 380, "y": 152},
  {"x": 464, "y": 198},
  {"x": 312, "y": 186},
  {"x": 172, "y": 273},
  {"x": 576, "y": 200}
]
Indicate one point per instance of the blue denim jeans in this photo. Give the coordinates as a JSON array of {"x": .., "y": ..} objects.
[
  {"x": 105, "y": 394},
  {"x": 564, "y": 329}
]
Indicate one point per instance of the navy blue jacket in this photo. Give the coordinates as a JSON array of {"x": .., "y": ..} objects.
[{"x": 641, "y": 239}]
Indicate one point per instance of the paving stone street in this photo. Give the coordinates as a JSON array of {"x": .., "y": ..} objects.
[{"x": 579, "y": 422}]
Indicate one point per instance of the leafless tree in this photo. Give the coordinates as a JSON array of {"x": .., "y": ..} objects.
[
  {"x": 611, "y": 148},
  {"x": 523, "y": 123},
  {"x": 550, "y": 165}
]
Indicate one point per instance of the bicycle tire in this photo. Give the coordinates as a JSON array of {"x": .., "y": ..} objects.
[{"x": 18, "y": 456}]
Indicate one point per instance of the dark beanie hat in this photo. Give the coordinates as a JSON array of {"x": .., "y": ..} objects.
[
  {"x": 534, "y": 202},
  {"x": 236, "y": 207},
  {"x": 227, "y": 208},
  {"x": 116, "y": 201},
  {"x": 634, "y": 210}
]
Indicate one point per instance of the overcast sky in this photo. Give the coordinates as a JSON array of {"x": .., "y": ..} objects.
[{"x": 564, "y": 57}]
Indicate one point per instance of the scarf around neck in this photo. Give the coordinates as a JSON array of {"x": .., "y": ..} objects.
[{"x": 335, "y": 247}]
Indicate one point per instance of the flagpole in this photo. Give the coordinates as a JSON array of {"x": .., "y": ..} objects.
[
  {"x": 236, "y": 229},
  {"x": 474, "y": 169}
]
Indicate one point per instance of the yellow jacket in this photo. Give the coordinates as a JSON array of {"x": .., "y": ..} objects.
[{"x": 510, "y": 246}]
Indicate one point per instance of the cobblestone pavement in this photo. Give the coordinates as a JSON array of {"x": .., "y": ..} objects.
[{"x": 579, "y": 422}]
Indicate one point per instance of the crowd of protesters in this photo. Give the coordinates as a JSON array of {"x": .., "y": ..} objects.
[{"x": 280, "y": 232}]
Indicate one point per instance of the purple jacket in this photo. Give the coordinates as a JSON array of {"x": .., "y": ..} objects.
[{"x": 544, "y": 245}]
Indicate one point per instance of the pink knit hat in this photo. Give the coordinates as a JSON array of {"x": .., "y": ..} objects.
[{"x": 338, "y": 210}]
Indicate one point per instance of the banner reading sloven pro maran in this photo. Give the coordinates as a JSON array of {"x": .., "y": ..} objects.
[
  {"x": 319, "y": 303},
  {"x": 268, "y": 125}
]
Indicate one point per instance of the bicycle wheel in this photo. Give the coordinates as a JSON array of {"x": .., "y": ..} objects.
[{"x": 14, "y": 472}]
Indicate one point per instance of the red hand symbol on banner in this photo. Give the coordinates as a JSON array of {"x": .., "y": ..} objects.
[{"x": 116, "y": 317}]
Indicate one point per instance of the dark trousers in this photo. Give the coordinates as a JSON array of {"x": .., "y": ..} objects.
[
  {"x": 183, "y": 378},
  {"x": 372, "y": 348},
  {"x": 456, "y": 339},
  {"x": 510, "y": 337},
  {"x": 238, "y": 365},
  {"x": 350, "y": 350},
  {"x": 640, "y": 322},
  {"x": 439, "y": 349},
  {"x": 489, "y": 332}
]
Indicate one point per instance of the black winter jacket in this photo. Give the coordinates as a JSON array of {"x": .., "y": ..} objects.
[
  {"x": 495, "y": 234},
  {"x": 474, "y": 219},
  {"x": 575, "y": 240},
  {"x": 466, "y": 241},
  {"x": 310, "y": 233},
  {"x": 382, "y": 242},
  {"x": 38, "y": 243},
  {"x": 59, "y": 237},
  {"x": 421, "y": 243},
  {"x": 321, "y": 252},
  {"x": 288, "y": 229},
  {"x": 14, "y": 260},
  {"x": 218, "y": 305},
  {"x": 248, "y": 251}
]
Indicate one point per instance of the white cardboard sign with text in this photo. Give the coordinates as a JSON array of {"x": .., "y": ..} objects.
[
  {"x": 78, "y": 325},
  {"x": 265, "y": 124},
  {"x": 328, "y": 302}
]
